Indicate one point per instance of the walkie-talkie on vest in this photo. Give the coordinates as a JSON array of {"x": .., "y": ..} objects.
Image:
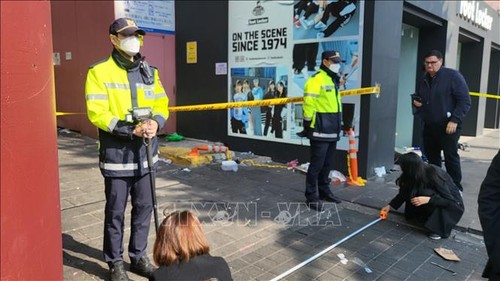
[{"x": 147, "y": 75}]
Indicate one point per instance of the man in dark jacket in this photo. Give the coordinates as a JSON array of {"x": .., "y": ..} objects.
[
  {"x": 442, "y": 100},
  {"x": 489, "y": 215}
]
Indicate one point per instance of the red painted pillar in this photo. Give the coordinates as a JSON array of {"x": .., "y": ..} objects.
[{"x": 31, "y": 243}]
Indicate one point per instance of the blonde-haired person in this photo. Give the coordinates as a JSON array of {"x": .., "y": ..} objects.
[{"x": 181, "y": 251}]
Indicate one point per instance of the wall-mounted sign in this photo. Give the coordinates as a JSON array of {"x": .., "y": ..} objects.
[
  {"x": 56, "y": 58},
  {"x": 152, "y": 16},
  {"x": 221, "y": 68},
  {"x": 471, "y": 11},
  {"x": 191, "y": 52}
]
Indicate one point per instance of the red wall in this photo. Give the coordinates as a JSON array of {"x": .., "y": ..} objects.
[
  {"x": 159, "y": 50},
  {"x": 81, "y": 27},
  {"x": 31, "y": 244}
]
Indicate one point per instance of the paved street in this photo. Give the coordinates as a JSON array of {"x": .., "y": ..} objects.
[{"x": 255, "y": 218}]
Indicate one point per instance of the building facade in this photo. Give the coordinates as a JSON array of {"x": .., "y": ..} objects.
[
  {"x": 392, "y": 38},
  {"x": 218, "y": 42}
]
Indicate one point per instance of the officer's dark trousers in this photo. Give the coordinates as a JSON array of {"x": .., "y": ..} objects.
[
  {"x": 317, "y": 182},
  {"x": 117, "y": 190},
  {"x": 435, "y": 140}
]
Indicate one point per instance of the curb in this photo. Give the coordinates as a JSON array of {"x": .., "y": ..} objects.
[{"x": 402, "y": 220}]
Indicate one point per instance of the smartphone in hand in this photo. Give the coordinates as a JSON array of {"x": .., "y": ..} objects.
[{"x": 416, "y": 97}]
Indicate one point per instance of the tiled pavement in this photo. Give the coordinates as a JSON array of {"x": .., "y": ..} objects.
[{"x": 256, "y": 220}]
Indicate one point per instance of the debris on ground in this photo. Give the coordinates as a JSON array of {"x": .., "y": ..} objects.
[
  {"x": 337, "y": 177},
  {"x": 229, "y": 165},
  {"x": 447, "y": 254},
  {"x": 293, "y": 163},
  {"x": 359, "y": 262},
  {"x": 380, "y": 171},
  {"x": 166, "y": 161},
  {"x": 342, "y": 258},
  {"x": 174, "y": 137},
  {"x": 444, "y": 267}
]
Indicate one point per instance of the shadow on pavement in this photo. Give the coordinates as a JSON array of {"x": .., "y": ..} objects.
[{"x": 84, "y": 264}]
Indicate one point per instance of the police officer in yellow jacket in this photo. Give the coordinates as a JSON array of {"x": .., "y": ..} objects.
[
  {"x": 122, "y": 82},
  {"x": 322, "y": 123}
]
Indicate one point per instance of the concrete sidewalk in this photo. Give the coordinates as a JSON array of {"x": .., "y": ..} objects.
[{"x": 255, "y": 218}]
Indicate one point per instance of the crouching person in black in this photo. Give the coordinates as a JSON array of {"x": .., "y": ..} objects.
[{"x": 431, "y": 197}]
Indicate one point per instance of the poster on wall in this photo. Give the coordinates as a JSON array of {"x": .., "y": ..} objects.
[
  {"x": 152, "y": 16},
  {"x": 274, "y": 47}
]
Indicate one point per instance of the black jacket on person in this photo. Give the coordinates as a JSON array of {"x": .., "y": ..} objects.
[
  {"x": 446, "y": 92},
  {"x": 202, "y": 267},
  {"x": 269, "y": 95},
  {"x": 489, "y": 215},
  {"x": 444, "y": 210}
]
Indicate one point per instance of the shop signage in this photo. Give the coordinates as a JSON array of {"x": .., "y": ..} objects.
[
  {"x": 152, "y": 16},
  {"x": 471, "y": 11}
]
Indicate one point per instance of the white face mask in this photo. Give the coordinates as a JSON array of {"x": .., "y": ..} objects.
[
  {"x": 334, "y": 67},
  {"x": 130, "y": 45}
]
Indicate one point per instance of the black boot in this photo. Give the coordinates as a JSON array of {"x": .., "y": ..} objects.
[
  {"x": 315, "y": 205},
  {"x": 302, "y": 134},
  {"x": 143, "y": 267},
  {"x": 117, "y": 271},
  {"x": 305, "y": 131},
  {"x": 330, "y": 198}
]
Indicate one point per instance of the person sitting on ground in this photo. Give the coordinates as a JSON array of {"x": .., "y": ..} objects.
[
  {"x": 431, "y": 197},
  {"x": 182, "y": 253}
]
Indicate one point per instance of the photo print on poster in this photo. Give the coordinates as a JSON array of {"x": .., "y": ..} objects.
[{"x": 268, "y": 41}]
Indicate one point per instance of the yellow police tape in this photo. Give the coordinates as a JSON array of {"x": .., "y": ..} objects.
[
  {"x": 226, "y": 105},
  {"x": 485, "y": 95},
  {"x": 68, "y": 113},
  {"x": 253, "y": 164}
]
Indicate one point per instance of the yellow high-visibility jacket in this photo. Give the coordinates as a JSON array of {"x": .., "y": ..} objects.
[
  {"x": 110, "y": 92},
  {"x": 322, "y": 107}
]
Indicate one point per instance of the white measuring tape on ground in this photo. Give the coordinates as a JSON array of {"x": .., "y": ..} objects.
[{"x": 293, "y": 269}]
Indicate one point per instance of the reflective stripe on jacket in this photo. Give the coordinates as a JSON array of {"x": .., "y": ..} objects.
[
  {"x": 110, "y": 92},
  {"x": 323, "y": 107}
]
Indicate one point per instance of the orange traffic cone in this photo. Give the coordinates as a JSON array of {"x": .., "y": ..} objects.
[{"x": 352, "y": 162}]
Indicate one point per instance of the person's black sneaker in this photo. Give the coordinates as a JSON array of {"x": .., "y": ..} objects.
[
  {"x": 143, "y": 267},
  {"x": 117, "y": 271},
  {"x": 330, "y": 198},
  {"x": 315, "y": 205},
  {"x": 434, "y": 236},
  {"x": 302, "y": 134}
]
